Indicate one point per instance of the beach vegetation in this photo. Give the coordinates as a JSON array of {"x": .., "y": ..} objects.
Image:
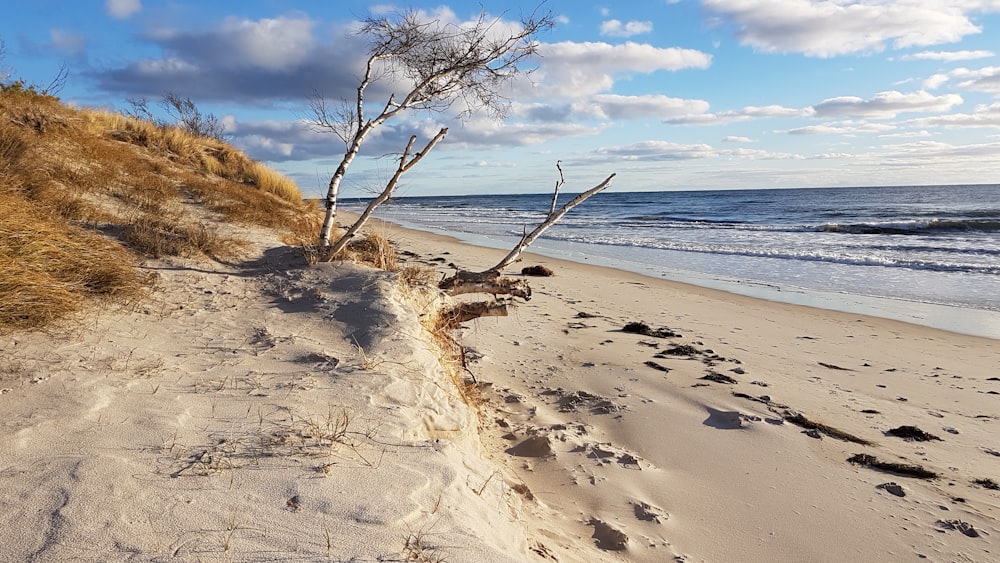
[
  {"x": 87, "y": 194},
  {"x": 440, "y": 65},
  {"x": 374, "y": 249},
  {"x": 181, "y": 112}
]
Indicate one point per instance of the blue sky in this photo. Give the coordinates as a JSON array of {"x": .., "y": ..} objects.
[{"x": 668, "y": 94}]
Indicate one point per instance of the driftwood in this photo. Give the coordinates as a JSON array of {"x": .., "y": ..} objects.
[
  {"x": 467, "y": 311},
  {"x": 550, "y": 219},
  {"x": 489, "y": 282}
]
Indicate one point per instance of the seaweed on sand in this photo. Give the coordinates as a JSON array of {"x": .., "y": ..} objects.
[
  {"x": 908, "y": 470},
  {"x": 911, "y": 434},
  {"x": 645, "y": 330},
  {"x": 799, "y": 419}
]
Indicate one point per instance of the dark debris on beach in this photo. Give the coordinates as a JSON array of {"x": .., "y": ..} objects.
[
  {"x": 638, "y": 327},
  {"x": 907, "y": 470},
  {"x": 800, "y": 420},
  {"x": 911, "y": 434}
]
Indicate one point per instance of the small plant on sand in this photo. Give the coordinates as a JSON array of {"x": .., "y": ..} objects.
[
  {"x": 373, "y": 249},
  {"x": 417, "y": 547},
  {"x": 366, "y": 362}
]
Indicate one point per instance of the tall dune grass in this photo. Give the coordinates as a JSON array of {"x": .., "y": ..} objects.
[
  {"x": 50, "y": 268},
  {"x": 84, "y": 194}
]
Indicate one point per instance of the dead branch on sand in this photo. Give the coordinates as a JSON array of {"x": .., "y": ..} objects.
[{"x": 492, "y": 282}]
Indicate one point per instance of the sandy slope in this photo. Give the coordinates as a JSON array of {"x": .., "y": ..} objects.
[
  {"x": 705, "y": 471},
  {"x": 264, "y": 411},
  {"x": 233, "y": 416}
]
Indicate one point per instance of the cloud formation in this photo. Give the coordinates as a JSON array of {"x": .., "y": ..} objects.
[
  {"x": 579, "y": 69},
  {"x": 615, "y": 28},
  {"x": 885, "y": 105},
  {"x": 826, "y": 28},
  {"x": 985, "y": 79},
  {"x": 987, "y": 115},
  {"x": 948, "y": 56},
  {"x": 122, "y": 9},
  {"x": 744, "y": 114},
  {"x": 249, "y": 61}
]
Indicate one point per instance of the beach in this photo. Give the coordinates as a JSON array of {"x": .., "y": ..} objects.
[{"x": 267, "y": 410}]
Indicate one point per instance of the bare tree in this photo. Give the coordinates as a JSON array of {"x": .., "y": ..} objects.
[
  {"x": 441, "y": 63},
  {"x": 406, "y": 161}
]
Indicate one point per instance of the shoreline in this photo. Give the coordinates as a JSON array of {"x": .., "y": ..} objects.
[
  {"x": 961, "y": 320},
  {"x": 618, "y": 438}
]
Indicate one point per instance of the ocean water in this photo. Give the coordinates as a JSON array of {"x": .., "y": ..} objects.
[{"x": 923, "y": 254}]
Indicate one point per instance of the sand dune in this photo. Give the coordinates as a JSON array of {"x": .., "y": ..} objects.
[{"x": 267, "y": 411}]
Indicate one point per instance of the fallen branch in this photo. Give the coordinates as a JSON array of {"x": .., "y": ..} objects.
[
  {"x": 551, "y": 219},
  {"x": 468, "y": 311},
  {"x": 485, "y": 282},
  {"x": 905, "y": 469}
]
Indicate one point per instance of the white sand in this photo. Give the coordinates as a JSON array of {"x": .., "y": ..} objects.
[{"x": 264, "y": 411}]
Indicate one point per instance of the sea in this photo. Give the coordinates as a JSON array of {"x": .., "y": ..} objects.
[{"x": 928, "y": 255}]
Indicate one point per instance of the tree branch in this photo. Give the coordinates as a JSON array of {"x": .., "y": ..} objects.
[
  {"x": 405, "y": 163},
  {"x": 515, "y": 253}
]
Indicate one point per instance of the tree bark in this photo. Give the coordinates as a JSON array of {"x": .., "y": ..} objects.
[
  {"x": 469, "y": 311},
  {"x": 485, "y": 282},
  {"x": 404, "y": 167}
]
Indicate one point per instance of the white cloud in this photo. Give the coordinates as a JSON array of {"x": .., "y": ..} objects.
[
  {"x": 759, "y": 154},
  {"x": 666, "y": 151},
  {"x": 947, "y": 56},
  {"x": 885, "y": 105},
  {"x": 982, "y": 116},
  {"x": 615, "y": 28},
  {"x": 580, "y": 69},
  {"x": 744, "y": 114},
  {"x": 921, "y": 152},
  {"x": 985, "y": 79},
  {"x": 844, "y": 128},
  {"x": 826, "y": 28},
  {"x": 492, "y": 134},
  {"x": 935, "y": 81},
  {"x": 655, "y": 151},
  {"x": 906, "y": 135},
  {"x": 122, "y": 9},
  {"x": 270, "y": 44},
  {"x": 736, "y": 139},
  {"x": 613, "y": 106}
]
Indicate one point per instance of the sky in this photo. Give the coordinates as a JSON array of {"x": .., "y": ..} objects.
[{"x": 667, "y": 94}]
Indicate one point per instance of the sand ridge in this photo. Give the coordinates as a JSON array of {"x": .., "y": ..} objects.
[{"x": 264, "y": 410}]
